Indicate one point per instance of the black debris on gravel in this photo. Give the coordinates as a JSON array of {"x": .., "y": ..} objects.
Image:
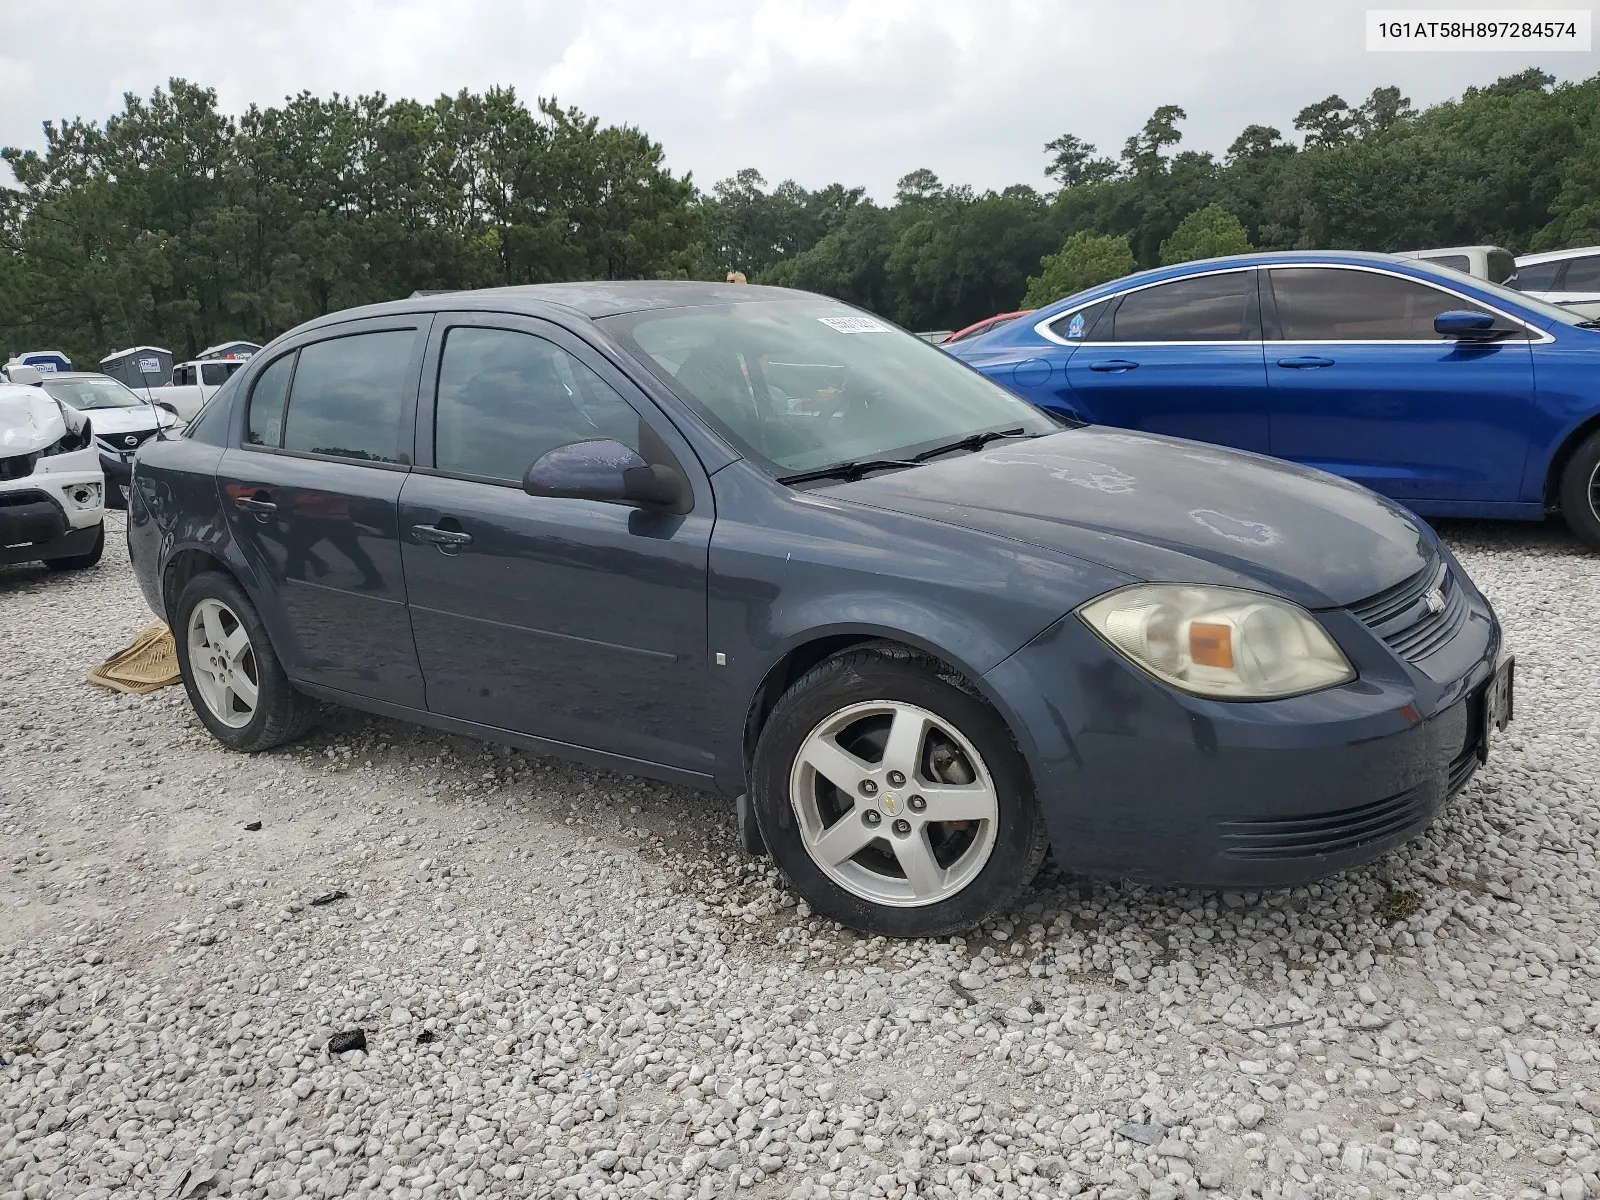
[{"x": 350, "y": 1039}]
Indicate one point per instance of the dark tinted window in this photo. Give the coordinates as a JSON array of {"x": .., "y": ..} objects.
[
  {"x": 265, "y": 427},
  {"x": 505, "y": 398},
  {"x": 347, "y": 396},
  {"x": 1540, "y": 277},
  {"x": 1317, "y": 304},
  {"x": 213, "y": 373},
  {"x": 1084, "y": 325},
  {"x": 1583, "y": 275},
  {"x": 1456, "y": 262},
  {"x": 1501, "y": 266},
  {"x": 1207, "y": 308}
]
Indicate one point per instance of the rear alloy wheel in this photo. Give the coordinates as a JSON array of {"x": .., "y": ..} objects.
[
  {"x": 894, "y": 799},
  {"x": 236, "y": 685},
  {"x": 1580, "y": 491}
]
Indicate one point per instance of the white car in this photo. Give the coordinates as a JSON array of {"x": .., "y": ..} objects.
[
  {"x": 1570, "y": 278},
  {"x": 52, "y": 492},
  {"x": 193, "y": 383},
  {"x": 123, "y": 419},
  {"x": 1481, "y": 262}
]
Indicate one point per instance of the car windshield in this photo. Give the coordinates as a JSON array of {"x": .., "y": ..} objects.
[
  {"x": 1501, "y": 292},
  {"x": 86, "y": 394},
  {"x": 800, "y": 384}
]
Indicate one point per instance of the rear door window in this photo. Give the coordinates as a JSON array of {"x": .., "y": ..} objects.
[
  {"x": 505, "y": 398},
  {"x": 348, "y": 395},
  {"x": 1203, "y": 308},
  {"x": 264, "y": 427},
  {"x": 1321, "y": 304},
  {"x": 1583, "y": 275},
  {"x": 1538, "y": 277}
]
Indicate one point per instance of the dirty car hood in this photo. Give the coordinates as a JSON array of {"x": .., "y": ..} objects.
[
  {"x": 1164, "y": 509},
  {"x": 29, "y": 420}
]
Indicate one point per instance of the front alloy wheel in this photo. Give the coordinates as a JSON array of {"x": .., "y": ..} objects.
[
  {"x": 894, "y": 797},
  {"x": 893, "y": 804}
]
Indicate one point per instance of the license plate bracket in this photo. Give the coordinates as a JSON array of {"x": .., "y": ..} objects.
[{"x": 1498, "y": 705}]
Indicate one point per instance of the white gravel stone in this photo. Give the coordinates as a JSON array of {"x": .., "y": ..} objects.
[{"x": 572, "y": 983}]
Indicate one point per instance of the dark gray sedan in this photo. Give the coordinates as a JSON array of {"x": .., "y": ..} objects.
[{"x": 760, "y": 542}]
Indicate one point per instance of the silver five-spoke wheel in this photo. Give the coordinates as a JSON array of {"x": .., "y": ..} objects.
[
  {"x": 894, "y": 804},
  {"x": 223, "y": 663}
]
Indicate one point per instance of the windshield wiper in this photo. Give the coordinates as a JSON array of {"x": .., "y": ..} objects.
[
  {"x": 1591, "y": 323},
  {"x": 846, "y": 470},
  {"x": 973, "y": 441}
]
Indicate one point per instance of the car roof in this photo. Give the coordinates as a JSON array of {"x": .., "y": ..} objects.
[
  {"x": 79, "y": 375},
  {"x": 591, "y": 299},
  {"x": 1528, "y": 260},
  {"x": 1258, "y": 258}
]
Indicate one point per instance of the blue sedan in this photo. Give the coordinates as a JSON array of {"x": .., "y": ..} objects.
[{"x": 1454, "y": 396}]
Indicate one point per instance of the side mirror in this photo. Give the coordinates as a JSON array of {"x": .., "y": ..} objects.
[
  {"x": 1468, "y": 326},
  {"x": 607, "y": 471}
]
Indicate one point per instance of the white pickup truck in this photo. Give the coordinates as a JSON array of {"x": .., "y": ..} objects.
[{"x": 193, "y": 383}]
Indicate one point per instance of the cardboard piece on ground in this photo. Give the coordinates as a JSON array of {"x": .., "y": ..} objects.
[{"x": 149, "y": 664}]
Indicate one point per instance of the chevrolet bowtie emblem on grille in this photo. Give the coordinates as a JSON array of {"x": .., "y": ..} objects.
[
  {"x": 130, "y": 440},
  {"x": 1435, "y": 602}
]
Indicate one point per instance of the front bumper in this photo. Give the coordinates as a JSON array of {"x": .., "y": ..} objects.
[
  {"x": 1141, "y": 782},
  {"x": 34, "y": 527}
]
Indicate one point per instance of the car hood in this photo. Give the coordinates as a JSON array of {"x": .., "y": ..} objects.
[
  {"x": 1167, "y": 510},
  {"x": 29, "y": 421},
  {"x": 127, "y": 420}
]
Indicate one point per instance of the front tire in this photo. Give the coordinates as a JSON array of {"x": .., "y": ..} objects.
[
  {"x": 1580, "y": 491},
  {"x": 235, "y": 682},
  {"x": 81, "y": 562},
  {"x": 894, "y": 799}
]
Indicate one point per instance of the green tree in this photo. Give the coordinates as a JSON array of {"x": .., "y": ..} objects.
[
  {"x": 1072, "y": 162},
  {"x": 1084, "y": 261},
  {"x": 1211, "y": 232}
]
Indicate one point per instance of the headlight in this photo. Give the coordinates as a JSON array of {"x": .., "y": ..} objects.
[{"x": 1220, "y": 642}]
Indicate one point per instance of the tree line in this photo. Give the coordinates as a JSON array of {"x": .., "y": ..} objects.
[{"x": 176, "y": 224}]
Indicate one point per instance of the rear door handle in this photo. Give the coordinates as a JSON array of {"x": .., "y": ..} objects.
[
  {"x": 259, "y": 504},
  {"x": 449, "y": 541},
  {"x": 1114, "y": 364},
  {"x": 1305, "y": 362}
]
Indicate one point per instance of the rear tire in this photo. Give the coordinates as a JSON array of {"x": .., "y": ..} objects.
[
  {"x": 81, "y": 562},
  {"x": 235, "y": 682},
  {"x": 1580, "y": 491},
  {"x": 905, "y": 741}
]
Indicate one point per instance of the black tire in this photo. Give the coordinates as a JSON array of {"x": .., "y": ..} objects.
[
  {"x": 81, "y": 562},
  {"x": 1580, "y": 491},
  {"x": 282, "y": 713},
  {"x": 886, "y": 672}
]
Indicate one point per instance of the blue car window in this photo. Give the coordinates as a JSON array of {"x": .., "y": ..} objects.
[
  {"x": 1325, "y": 304},
  {"x": 1200, "y": 308},
  {"x": 1084, "y": 325},
  {"x": 505, "y": 398}
]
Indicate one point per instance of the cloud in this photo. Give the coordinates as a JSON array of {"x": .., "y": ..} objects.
[{"x": 858, "y": 91}]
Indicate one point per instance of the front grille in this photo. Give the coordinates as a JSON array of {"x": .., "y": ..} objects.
[
  {"x": 119, "y": 443},
  {"x": 17, "y": 466},
  {"x": 1401, "y": 617},
  {"x": 1325, "y": 833}
]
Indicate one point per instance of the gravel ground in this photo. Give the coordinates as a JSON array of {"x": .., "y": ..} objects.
[{"x": 570, "y": 982}]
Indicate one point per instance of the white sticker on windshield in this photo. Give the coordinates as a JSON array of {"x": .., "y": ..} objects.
[{"x": 854, "y": 324}]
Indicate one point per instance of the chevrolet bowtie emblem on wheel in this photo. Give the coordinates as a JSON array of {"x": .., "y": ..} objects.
[
  {"x": 890, "y": 803},
  {"x": 1435, "y": 602}
]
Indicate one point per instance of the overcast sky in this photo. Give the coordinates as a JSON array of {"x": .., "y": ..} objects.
[{"x": 859, "y": 91}]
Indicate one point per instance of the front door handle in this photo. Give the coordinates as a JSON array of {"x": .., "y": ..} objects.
[
  {"x": 449, "y": 541},
  {"x": 1114, "y": 365},
  {"x": 1305, "y": 362}
]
